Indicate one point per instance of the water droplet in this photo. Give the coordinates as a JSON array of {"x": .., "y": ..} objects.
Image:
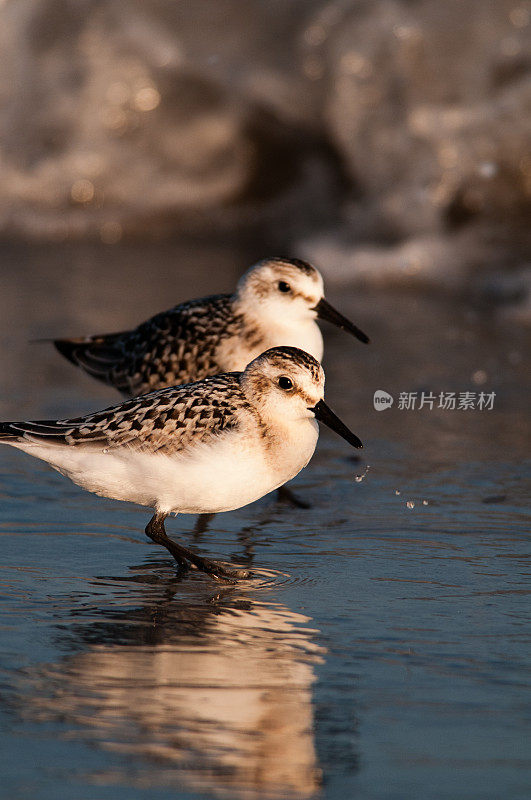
[
  {"x": 520, "y": 16},
  {"x": 354, "y": 63},
  {"x": 315, "y": 35},
  {"x": 397, "y": 492},
  {"x": 359, "y": 478},
  {"x": 410, "y": 504},
  {"x": 424, "y": 502},
  {"x": 147, "y": 98},
  {"x": 488, "y": 169},
  {"x": 82, "y": 191},
  {"x": 114, "y": 118},
  {"x": 105, "y": 451}
]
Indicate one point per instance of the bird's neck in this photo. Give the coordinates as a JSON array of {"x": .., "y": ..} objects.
[{"x": 265, "y": 329}]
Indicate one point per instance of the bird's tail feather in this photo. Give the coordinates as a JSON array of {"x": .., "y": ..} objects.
[
  {"x": 68, "y": 348},
  {"x": 7, "y": 433}
]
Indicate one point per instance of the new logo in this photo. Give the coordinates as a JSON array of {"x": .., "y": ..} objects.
[{"x": 382, "y": 400}]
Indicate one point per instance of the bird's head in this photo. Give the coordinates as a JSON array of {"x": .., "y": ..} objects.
[
  {"x": 288, "y": 290},
  {"x": 287, "y": 383}
]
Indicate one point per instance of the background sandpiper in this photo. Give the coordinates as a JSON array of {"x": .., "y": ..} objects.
[{"x": 276, "y": 302}]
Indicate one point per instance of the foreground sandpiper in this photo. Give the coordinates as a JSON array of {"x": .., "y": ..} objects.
[
  {"x": 276, "y": 303},
  {"x": 214, "y": 445}
]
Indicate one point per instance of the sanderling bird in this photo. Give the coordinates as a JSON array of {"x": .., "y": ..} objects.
[
  {"x": 214, "y": 445},
  {"x": 276, "y": 303}
]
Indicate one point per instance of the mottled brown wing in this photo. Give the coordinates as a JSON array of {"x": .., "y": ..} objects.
[
  {"x": 175, "y": 347},
  {"x": 167, "y": 421}
]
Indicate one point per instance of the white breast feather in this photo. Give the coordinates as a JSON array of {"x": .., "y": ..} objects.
[{"x": 227, "y": 473}]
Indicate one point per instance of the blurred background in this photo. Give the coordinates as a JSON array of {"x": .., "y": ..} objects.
[
  {"x": 149, "y": 153},
  {"x": 387, "y": 141}
]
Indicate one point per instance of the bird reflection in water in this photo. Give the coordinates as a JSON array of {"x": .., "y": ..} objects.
[{"x": 212, "y": 693}]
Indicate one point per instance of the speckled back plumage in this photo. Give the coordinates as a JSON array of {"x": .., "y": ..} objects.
[
  {"x": 168, "y": 421},
  {"x": 174, "y": 347}
]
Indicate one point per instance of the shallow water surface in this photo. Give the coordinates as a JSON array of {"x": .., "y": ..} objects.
[{"x": 380, "y": 648}]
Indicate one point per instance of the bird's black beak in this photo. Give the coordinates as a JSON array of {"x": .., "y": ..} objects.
[
  {"x": 325, "y": 415},
  {"x": 327, "y": 312}
]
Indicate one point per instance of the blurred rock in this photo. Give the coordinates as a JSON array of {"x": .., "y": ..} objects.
[
  {"x": 429, "y": 104},
  {"x": 371, "y": 130},
  {"x": 116, "y": 114}
]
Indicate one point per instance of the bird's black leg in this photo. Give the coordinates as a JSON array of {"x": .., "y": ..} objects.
[
  {"x": 285, "y": 495},
  {"x": 157, "y": 533}
]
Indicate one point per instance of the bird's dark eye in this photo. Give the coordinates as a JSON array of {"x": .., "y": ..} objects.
[
  {"x": 283, "y": 286},
  {"x": 285, "y": 383}
]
